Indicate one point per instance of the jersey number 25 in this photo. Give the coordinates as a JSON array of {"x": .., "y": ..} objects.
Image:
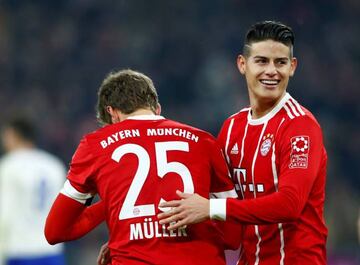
[{"x": 129, "y": 209}]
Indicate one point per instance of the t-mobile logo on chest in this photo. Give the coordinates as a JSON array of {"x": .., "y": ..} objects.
[{"x": 242, "y": 185}]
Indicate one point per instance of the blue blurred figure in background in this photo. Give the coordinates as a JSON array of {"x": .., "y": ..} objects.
[{"x": 29, "y": 181}]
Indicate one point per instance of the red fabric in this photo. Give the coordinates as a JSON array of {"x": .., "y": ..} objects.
[
  {"x": 231, "y": 233},
  {"x": 283, "y": 184},
  {"x": 135, "y": 163},
  {"x": 69, "y": 219}
]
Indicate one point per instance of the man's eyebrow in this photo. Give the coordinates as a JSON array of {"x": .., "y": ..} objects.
[
  {"x": 264, "y": 57},
  {"x": 260, "y": 57},
  {"x": 282, "y": 58}
]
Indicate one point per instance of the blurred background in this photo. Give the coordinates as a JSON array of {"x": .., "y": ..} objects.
[{"x": 54, "y": 55}]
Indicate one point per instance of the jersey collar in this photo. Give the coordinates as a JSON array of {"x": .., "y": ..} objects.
[
  {"x": 271, "y": 114},
  {"x": 146, "y": 117}
]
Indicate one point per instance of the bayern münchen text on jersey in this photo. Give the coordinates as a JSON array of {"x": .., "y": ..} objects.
[{"x": 115, "y": 137}]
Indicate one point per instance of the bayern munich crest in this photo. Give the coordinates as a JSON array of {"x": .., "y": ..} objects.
[{"x": 266, "y": 144}]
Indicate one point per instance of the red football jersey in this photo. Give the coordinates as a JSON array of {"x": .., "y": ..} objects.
[
  {"x": 280, "y": 160},
  {"x": 135, "y": 164}
]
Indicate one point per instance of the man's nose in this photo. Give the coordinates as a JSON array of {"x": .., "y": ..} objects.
[{"x": 271, "y": 69}]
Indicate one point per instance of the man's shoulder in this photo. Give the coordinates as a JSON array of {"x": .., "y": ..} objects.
[
  {"x": 32, "y": 158},
  {"x": 26, "y": 154},
  {"x": 185, "y": 126},
  {"x": 240, "y": 115},
  {"x": 296, "y": 114},
  {"x": 94, "y": 136},
  {"x": 140, "y": 129},
  {"x": 204, "y": 135},
  {"x": 51, "y": 158},
  {"x": 164, "y": 123}
]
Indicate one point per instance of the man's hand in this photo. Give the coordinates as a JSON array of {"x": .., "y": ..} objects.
[
  {"x": 191, "y": 209},
  {"x": 104, "y": 255}
]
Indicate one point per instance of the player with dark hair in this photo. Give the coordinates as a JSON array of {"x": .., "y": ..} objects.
[
  {"x": 276, "y": 153},
  {"x": 30, "y": 179},
  {"x": 137, "y": 160}
]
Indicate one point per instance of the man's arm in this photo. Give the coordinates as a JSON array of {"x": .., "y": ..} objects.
[
  {"x": 285, "y": 205},
  {"x": 192, "y": 209},
  {"x": 69, "y": 219}
]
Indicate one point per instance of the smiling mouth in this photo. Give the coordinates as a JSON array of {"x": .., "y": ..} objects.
[{"x": 269, "y": 82}]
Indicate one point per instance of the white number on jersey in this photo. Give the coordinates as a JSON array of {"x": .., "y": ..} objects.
[{"x": 129, "y": 209}]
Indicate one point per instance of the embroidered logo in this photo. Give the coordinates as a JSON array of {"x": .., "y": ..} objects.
[
  {"x": 300, "y": 146},
  {"x": 235, "y": 149},
  {"x": 266, "y": 144}
]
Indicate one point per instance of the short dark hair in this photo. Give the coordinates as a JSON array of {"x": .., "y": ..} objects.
[
  {"x": 23, "y": 127},
  {"x": 127, "y": 91},
  {"x": 269, "y": 30}
]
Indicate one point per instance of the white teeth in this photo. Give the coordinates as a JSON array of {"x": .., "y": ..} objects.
[{"x": 270, "y": 82}]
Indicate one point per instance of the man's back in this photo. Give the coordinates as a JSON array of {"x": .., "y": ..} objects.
[
  {"x": 135, "y": 164},
  {"x": 29, "y": 182}
]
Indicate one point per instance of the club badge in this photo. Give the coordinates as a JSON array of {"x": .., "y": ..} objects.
[{"x": 266, "y": 144}]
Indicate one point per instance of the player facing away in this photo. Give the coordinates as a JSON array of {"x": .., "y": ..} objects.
[
  {"x": 137, "y": 160},
  {"x": 276, "y": 154},
  {"x": 30, "y": 179}
]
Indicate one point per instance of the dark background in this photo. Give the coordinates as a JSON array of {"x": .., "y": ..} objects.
[{"x": 54, "y": 55}]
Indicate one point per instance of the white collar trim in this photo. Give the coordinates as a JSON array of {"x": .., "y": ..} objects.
[
  {"x": 271, "y": 114},
  {"x": 146, "y": 117}
]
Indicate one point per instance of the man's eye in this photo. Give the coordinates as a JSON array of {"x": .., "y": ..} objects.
[{"x": 282, "y": 62}]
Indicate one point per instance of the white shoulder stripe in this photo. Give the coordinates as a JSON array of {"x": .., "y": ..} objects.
[
  {"x": 288, "y": 112},
  {"x": 244, "y": 109},
  {"x": 298, "y": 107},
  {"x": 69, "y": 191},
  {"x": 293, "y": 108},
  {"x": 224, "y": 194}
]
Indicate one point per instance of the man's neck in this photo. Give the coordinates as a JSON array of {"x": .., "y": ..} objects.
[
  {"x": 138, "y": 113},
  {"x": 20, "y": 145},
  {"x": 259, "y": 108}
]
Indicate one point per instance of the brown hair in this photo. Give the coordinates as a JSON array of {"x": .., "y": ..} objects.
[{"x": 127, "y": 91}]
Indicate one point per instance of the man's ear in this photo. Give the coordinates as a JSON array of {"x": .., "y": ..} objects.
[
  {"x": 293, "y": 66},
  {"x": 158, "y": 109},
  {"x": 114, "y": 114},
  {"x": 241, "y": 64}
]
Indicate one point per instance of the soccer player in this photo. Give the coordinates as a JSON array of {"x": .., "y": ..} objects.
[
  {"x": 137, "y": 160},
  {"x": 278, "y": 161},
  {"x": 30, "y": 179}
]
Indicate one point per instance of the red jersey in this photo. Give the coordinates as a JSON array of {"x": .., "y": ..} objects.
[
  {"x": 137, "y": 163},
  {"x": 280, "y": 160}
]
